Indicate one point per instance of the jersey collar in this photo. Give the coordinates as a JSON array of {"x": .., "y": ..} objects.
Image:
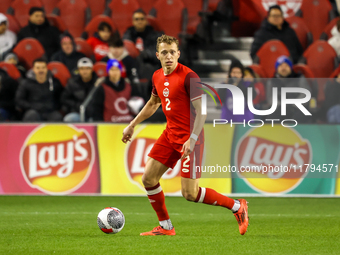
[{"x": 172, "y": 71}]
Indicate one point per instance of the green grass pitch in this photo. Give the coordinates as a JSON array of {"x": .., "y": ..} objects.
[{"x": 68, "y": 225}]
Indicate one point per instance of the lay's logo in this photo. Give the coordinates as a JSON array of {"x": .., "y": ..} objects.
[
  {"x": 57, "y": 159},
  {"x": 278, "y": 147}
]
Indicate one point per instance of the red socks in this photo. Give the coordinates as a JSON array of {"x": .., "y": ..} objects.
[
  {"x": 157, "y": 200},
  {"x": 211, "y": 197},
  {"x": 205, "y": 195}
]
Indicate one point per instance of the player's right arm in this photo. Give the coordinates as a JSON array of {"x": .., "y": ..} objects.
[{"x": 148, "y": 110}]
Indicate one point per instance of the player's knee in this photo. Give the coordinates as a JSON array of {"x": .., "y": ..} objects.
[
  {"x": 147, "y": 181},
  {"x": 189, "y": 195}
]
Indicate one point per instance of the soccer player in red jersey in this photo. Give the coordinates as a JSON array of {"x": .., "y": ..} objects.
[{"x": 182, "y": 139}]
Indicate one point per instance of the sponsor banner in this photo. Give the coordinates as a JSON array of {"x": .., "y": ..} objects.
[
  {"x": 77, "y": 159},
  {"x": 308, "y": 148},
  {"x": 48, "y": 159},
  {"x": 122, "y": 165}
]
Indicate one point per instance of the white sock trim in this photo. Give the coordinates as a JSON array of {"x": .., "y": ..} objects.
[
  {"x": 202, "y": 195},
  {"x": 166, "y": 224},
  {"x": 236, "y": 206},
  {"x": 154, "y": 191}
]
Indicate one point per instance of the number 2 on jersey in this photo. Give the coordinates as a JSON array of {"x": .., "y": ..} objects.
[
  {"x": 167, "y": 106},
  {"x": 186, "y": 162}
]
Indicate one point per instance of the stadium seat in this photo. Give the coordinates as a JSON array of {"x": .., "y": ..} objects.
[
  {"x": 97, "y": 7},
  {"x": 321, "y": 58},
  {"x": 307, "y": 73},
  {"x": 335, "y": 72},
  {"x": 11, "y": 70},
  {"x": 121, "y": 12},
  {"x": 248, "y": 14},
  {"x": 268, "y": 54},
  {"x": 84, "y": 47},
  {"x": 49, "y": 5},
  {"x": 131, "y": 48},
  {"x": 100, "y": 69},
  {"x": 171, "y": 16},
  {"x": 14, "y": 25},
  {"x": 28, "y": 50},
  {"x": 59, "y": 71},
  {"x": 212, "y": 5},
  {"x": 21, "y": 10},
  {"x": 304, "y": 70},
  {"x": 92, "y": 26},
  {"x": 56, "y": 21},
  {"x": 5, "y": 4},
  {"x": 75, "y": 14},
  {"x": 153, "y": 22},
  {"x": 146, "y": 5},
  {"x": 258, "y": 70},
  {"x": 316, "y": 14},
  {"x": 301, "y": 30},
  {"x": 194, "y": 8},
  {"x": 326, "y": 34}
]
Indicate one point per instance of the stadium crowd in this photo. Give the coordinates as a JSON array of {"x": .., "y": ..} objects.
[{"x": 48, "y": 72}]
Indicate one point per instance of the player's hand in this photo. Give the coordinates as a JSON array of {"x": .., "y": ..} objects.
[
  {"x": 188, "y": 147},
  {"x": 127, "y": 134}
]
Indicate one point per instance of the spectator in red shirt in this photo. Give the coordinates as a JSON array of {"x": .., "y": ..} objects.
[{"x": 99, "y": 41}]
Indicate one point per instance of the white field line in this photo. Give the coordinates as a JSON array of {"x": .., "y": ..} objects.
[{"x": 174, "y": 214}]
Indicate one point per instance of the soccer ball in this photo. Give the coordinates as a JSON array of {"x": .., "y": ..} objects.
[{"x": 110, "y": 220}]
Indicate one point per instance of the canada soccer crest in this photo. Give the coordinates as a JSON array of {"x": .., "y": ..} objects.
[{"x": 166, "y": 92}]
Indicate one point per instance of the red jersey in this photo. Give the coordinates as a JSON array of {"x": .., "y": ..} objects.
[
  {"x": 176, "y": 94},
  {"x": 100, "y": 48}
]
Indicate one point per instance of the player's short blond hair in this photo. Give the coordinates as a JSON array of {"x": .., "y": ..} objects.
[{"x": 166, "y": 39}]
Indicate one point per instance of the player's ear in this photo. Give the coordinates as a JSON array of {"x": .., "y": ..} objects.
[
  {"x": 179, "y": 53},
  {"x": 157, "y": 55}
]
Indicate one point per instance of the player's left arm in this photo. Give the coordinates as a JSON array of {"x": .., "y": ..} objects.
[{"x": 189, "y": 145}]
